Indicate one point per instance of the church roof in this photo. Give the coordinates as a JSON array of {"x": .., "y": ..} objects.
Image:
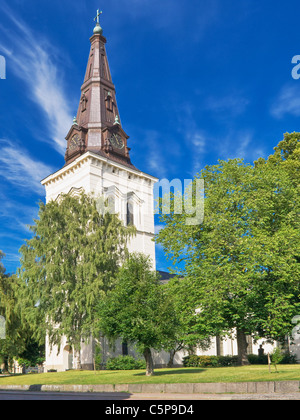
[{"x": 165, "y": 277}]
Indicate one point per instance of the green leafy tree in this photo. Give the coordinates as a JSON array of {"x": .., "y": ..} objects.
[
  {"x": 69, "y": 264},
  {"x": 276, "y": 357},
  {"x": 13, "y": 337},
  {"x": 242, "y": 262},
  {"x": 33, "y": 353},
  {"x": 187, "y": 334},
  {"x": 138, "y": 310},
  {"x": 276, "y": 229}
]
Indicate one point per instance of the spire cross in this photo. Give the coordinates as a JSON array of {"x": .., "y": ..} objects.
[{"x": 98, "y": 15}]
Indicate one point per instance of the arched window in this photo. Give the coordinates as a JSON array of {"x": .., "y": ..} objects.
[{"x": 129, "y": 214}]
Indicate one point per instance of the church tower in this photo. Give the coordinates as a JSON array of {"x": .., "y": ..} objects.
[
  {"x": 97, "y": 127},
  {"x": 97, "y": 160}
]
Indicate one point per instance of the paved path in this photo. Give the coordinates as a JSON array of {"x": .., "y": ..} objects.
[{"x": 28, "y": 395}]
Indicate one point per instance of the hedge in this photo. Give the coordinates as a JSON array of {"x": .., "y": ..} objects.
[
  {"x": 221, "y": 361},
  {"x": 125, "y": 363},
  {"x": 287, "y": 359},
  {"x": 209, "y": 361}
]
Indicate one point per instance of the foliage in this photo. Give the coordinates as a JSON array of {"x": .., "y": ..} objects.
[
  {"x": 241, "y": 266},
  {"x": 125, "y": 363},
  {"x": 98, "y": 359},
  {"x": 188, "y": 335},
  {"x": 209, "y": 361},
  {"x": 286, "y": 359},
  {"x": 138, "y": 309},
  {"x": 15, "y": 333},
  {"x": 276, "y": 357},
  {"x": 219, "y": 361},
  {"x": 34, "y": 353},
  {"x": 24, "y": 362},
  {"x": 68, "y": 266},
  {"x": 255, "y": 359}
]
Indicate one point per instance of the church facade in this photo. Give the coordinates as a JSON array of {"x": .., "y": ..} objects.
[{"x": 97, "y": 160}]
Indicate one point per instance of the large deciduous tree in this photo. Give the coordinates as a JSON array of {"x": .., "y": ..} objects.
[
  {"x": 242, "y": 263},
  {"x": 69, "y": 264}
]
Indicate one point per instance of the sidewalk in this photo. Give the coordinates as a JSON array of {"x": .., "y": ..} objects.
[{"x": 161, "y": 398}]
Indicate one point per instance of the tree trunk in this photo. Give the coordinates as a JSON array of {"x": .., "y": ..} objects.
[
  {"x": 78, "y": 360},
  {"x": 242, "y": 347},
  {"x": 171, "y": 361},
  {"x": 4, "y": 365},
  {"x": 149, "y": 362}
]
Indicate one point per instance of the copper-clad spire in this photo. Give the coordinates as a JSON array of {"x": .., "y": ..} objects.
[{"x": 98, "y": 118}]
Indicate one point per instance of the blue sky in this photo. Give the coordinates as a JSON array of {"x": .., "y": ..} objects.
[{"x": 196, "y": 80}]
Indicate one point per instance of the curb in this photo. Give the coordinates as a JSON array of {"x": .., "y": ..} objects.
[{"x": 197, "y": 388}]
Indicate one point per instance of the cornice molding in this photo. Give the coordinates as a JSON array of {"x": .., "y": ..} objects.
[{"x": 95, "y": 161}]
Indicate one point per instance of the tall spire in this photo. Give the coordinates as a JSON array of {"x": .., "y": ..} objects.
[{"x": 98, "y": 119}]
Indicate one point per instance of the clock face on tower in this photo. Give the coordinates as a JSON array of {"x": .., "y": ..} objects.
[
  {"x": 116, "y": 141},
  {"x": 74, "y": 142}
]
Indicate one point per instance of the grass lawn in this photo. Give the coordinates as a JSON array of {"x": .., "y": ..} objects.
[{"x": 250, "y": 373}]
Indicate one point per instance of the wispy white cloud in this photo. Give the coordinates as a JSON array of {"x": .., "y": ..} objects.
[
  {"x": 287, "y": 102},
  {"x": 20, "y": 169},
  {"x": 156, "y": 161},
  {"x": 34, "y": 60},
  {"x": 231, "y": 105},
  {"x": 239, "y": 144},
  {"x": 195, "y": 138},
  {"x": 15, "y": 217},
  {"x": 197, "y": 143}
]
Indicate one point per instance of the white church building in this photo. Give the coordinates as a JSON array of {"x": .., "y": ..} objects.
[{"x": 98, "y": 161}]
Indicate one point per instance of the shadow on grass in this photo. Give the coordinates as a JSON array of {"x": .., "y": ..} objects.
[
  {"x": 163, "y": 372},
  {"x": 10, "y": 375}
]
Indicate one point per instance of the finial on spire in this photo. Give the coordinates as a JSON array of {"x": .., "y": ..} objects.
[{"x": 98, "y": 29}]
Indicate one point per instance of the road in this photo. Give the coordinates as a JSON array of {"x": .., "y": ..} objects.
[{"x": 28, "y": 395}]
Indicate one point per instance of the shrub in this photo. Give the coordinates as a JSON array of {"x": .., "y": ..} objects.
[
  {"x": 276, "y": 356},
  {"x": 125, "y": 363},
  {"x": 288, "y": 359},
  {"x": 220, "y": 361},
  {"x": 24, "y": 362},
  {"x": 209, "y": 361},
  {"x": 255, "y": 359},
  {"x": 191, "y": 361},
  {"x": 228, "y": 360}
]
